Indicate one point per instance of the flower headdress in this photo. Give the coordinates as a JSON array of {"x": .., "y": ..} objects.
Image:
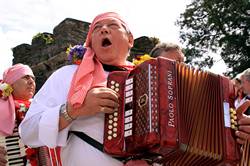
[
  {"x": 140, "y": 59},
  {"x": 75, "y": 53},
  {"x": 5, "y": 90}
]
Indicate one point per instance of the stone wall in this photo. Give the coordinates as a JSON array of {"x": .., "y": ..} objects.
[{"x": 47, "y": 52}]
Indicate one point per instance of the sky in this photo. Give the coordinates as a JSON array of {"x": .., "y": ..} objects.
[{"x": 20, "y": 20}]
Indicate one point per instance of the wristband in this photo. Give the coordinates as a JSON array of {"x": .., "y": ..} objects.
[{"x": 65, "y": 114}]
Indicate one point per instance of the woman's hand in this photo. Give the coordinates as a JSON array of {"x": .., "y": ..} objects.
[{"x": 244, "y": 129}]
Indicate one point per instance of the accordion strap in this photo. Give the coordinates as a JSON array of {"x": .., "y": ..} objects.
[
  {"x": 93, "y": 143},
  {"x": 89, "y": 140}
]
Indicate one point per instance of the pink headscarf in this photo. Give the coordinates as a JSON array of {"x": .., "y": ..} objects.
[
  {"x": 90, "y": 72},
  {"x": 7, "y": 107}
]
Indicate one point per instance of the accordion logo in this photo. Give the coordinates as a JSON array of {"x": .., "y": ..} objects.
[{"x": 143, "y": 100}]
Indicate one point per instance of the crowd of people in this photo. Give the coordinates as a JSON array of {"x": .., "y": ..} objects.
[{"x": 79, "y": 104}]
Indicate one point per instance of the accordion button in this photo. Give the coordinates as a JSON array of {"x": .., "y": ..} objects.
[
  {"x": 115, "y": 113},
  {"x": 233, "y": 127},
  {"x": 115, "y": 119},
  {"x": 110, "y": 126},
  {"x": 128, "y": 112},
  {"x": 129, "y": 81},
  {"x": 112, "y": 87},
  {"x": 117, "y": 89},
  {"x": 110, "y": 121},
  {"x": 114, "y": 135},
  {"x": 110, "y": 132},
  {"x": 112, "y": 82},
  {"x": 109, "y": 137},
  {"x": 232, "y": 111},
  {"x": 110, "y": 116},
  {"x": 116, "y": 85},
  {"x": 114, "y": 129},
  {"x": 115, "y": 124}
]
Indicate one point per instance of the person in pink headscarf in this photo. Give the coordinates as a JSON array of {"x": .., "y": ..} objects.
[
  {"x": 16, "y": 90},
  {"x": 75, "y": 97}
]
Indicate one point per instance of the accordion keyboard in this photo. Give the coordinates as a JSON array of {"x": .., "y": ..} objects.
[
  {"x": 15, "y": 149},
  {"x": 113, "y": 118},
  {"x": 128, "y": 115}
]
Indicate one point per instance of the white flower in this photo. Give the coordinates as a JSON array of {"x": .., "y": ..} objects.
[
  {"x": 3, "y": 86},
  {"x": 22, "y": 108},
  {"x": 5, "y": 89}
]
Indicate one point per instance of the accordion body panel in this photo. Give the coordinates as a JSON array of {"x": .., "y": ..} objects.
[{"x": 175, "y": 111}]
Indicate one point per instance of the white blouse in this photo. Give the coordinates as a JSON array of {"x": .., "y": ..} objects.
[{"x": 41, "y": 124}]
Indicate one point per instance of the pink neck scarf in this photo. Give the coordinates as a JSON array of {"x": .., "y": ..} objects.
[
  {"x": 90, "y": 72},
  {"x": 7, "y": 107}
]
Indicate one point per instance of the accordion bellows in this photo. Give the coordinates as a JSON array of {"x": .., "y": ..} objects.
[{"x": 178, "y": 113}]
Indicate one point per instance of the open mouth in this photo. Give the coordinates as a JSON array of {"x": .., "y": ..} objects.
[{"x": 106, "y": 42}]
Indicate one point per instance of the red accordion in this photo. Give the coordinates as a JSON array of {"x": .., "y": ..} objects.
[{"x": 175, "y": 111}]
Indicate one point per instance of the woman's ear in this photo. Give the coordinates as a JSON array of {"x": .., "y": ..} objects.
[{"x": 130, "y": 40}]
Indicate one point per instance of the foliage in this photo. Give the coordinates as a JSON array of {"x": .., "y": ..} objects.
[
  {"x": 221, "y": 26},
  {"x": 46, "y": 37}
]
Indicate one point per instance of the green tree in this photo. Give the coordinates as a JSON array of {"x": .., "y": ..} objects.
[{"x": 221, "y": 26}]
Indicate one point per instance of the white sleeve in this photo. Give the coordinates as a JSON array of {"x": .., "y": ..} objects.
[{"x": 41, "y": 123}]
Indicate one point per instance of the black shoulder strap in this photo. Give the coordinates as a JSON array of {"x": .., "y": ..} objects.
[
  {"x": 93, "y": 143},
  {"x": 89, "y": 140}
]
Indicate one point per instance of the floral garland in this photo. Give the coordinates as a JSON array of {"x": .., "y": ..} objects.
[
  {"x": 140, "y": 59},
  {"x": 5, "y": 90},
  {"x": 75, "y": 54},
  {"x": 21, "y": 107}
]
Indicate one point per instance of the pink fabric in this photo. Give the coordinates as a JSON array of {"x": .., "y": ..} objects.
[
  {"x": 7, "y": 107},
  {"x": 90, "y": 72}
]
